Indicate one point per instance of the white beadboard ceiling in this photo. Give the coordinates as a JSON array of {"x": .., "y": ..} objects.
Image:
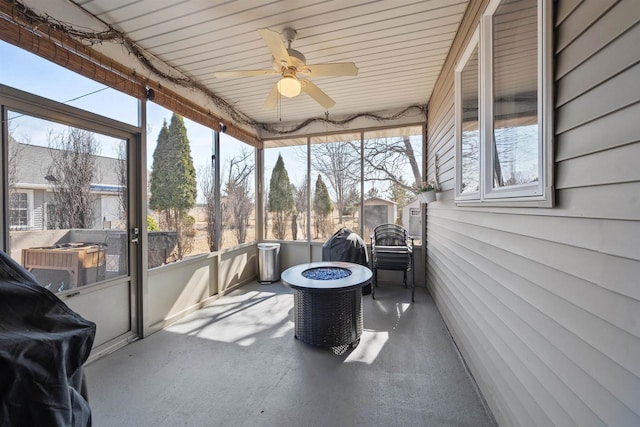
[{"x": 399, "y": 46}]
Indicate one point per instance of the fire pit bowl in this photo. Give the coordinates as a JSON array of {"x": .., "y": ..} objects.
[
  {"x": 327, "y": 301},
  {"x": 326, "y": 273}
]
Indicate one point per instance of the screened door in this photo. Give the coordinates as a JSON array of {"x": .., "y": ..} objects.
[{"x": 69, "y": 212}]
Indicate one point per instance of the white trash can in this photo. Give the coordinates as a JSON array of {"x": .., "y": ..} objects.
[{"x": 268, "y": 262}]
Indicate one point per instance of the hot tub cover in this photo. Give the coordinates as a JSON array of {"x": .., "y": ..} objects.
[{"x": 43, "y": 345}]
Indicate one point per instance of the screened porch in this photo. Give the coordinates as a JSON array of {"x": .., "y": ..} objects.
[{"x": 520, "y": 114}]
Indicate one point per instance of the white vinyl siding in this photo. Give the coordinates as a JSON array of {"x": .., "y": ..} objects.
[
  {"x": 544, "y": 304},
  {"x": 38, "y": 209}
]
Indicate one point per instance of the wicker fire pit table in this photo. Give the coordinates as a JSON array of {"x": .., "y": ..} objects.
[{"x": 327, "y": 300}]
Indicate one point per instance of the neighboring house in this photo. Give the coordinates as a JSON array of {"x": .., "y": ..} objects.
[{"x": 32, "y": 196}]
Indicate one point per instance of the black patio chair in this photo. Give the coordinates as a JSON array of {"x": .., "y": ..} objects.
[{"x": 392, "y": 249}]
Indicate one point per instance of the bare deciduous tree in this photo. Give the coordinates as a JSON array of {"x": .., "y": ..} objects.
[
  {"x": 340, "y": 163},
  {"x": 208, "y": 191},
  {"x": 237, "y": 200},
  {"x": 470, "y": 161},
  {"x": 15, "y": 154},
  {"x": 121, "y": 172},
  {"x": 301, "y": 200},
  {"x": 386, "y": 160},
  {"x": 515, "y": 154},
  {"x": 73, "y": 169}
]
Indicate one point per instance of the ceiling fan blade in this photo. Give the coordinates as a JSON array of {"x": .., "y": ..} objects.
[
  {"x": 272, "y": 100},
  {"x": 276, "y": 45},
  {"x": 318, "y": 95},
  {"x": 243, "y": 73},
  {"x": 337, "y": 69}
]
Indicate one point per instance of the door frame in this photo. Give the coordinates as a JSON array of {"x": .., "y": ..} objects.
[{"x": 12, "y": 99}]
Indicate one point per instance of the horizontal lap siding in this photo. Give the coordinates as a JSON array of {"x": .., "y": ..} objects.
[
  {"x": 38, "y": 209},
  {"x": 544, "y": 304}
]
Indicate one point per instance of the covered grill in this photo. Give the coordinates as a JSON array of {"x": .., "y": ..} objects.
[
  {"x": 346, "y": 246},
  {"x": 43, "y": 345}
]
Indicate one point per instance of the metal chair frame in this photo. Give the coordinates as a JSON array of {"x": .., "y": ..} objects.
[{"x": 392, "y": 249}]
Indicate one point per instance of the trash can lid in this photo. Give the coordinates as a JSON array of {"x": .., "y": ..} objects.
[{"x": 268, "y": 245}]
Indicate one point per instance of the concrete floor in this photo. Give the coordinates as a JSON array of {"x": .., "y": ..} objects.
[{"x": 236, "y": 363}]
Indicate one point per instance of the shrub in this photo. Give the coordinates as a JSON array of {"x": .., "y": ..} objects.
[{"x": 152, "y": 225}]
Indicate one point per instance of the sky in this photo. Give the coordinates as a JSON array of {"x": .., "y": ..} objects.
[{"x": 30, "y": 73}]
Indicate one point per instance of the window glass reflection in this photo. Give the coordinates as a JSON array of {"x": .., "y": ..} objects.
[
  {"x": 515, "y": 94},
  {"x": 470, "y": 135}
]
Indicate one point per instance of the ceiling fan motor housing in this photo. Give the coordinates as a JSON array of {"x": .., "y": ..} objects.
[{"x": 296, "y": 58}]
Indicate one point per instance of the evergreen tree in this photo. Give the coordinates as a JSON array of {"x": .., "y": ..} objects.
[
  {"x": 159, "y": 179},
  {"x": 371, "y": 193},
  {"x": 322, "y": 207},
  {"x": 173, "y": 180},
  {"x": 280, "y": 201}
]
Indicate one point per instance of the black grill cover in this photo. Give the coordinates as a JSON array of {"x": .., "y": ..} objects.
[
  {"x": 43, "y": 345},
  {"x": 346, "y": 246}
]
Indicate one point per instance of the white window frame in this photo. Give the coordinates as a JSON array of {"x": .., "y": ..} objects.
[
  {"x": 540, "y": 193},
  {"x": 29, "y": 194}
]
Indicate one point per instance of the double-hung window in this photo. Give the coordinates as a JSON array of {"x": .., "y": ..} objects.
[
  {"x": 504, "y": 107},
  {"x": 19, "y": 202}
]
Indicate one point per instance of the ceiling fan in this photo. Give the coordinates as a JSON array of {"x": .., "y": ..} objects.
[{"x": 292, "y": 66}]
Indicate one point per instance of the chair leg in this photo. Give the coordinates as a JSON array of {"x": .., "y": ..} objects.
[
  {"x": 374, "y": 283},
  {"x": 413, "y": 282},
  {"x": 413, "y": 288},
  {"x": 404, "y": 278}
]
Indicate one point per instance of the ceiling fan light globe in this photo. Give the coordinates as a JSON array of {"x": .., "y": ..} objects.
[{"x": 289, "y": 87}]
